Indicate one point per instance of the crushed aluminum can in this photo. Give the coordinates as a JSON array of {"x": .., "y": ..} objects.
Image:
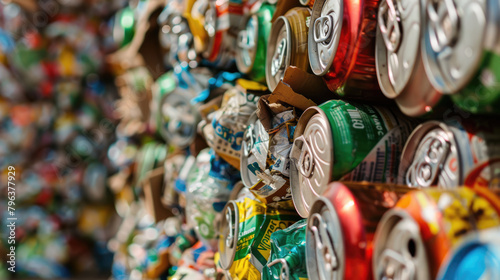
[
  {"x": 239, "y": 226},
  {"x": 461, "y": 50},
  {"x": 255, "y": 147},
  {"x": 252, "y": 43},
  {"x": 276, "y": 218},
  {"x": 287, "y": 45},
  {"x": 344, "y": 217},
  {"x": 400, "y": 67},
  {"x": 225, "y": 134},
  {"x": 442, "y": 154},
  {"x": 341, "y": 47},
  {"x": 338, "y": 139},
  {"x": 288, "y": 254},
  {"x": 414, "y": 237},
  {"x": 274, "y": 185}
]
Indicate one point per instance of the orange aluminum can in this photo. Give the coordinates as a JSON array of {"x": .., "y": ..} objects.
[{"x": 413, "y": 239}]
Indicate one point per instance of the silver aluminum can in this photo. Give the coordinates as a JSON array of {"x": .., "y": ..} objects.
[
  {"x": 455, "y": 35},
  {"x": 255, "y": 146},
  {"x": 399, "y": 248},
  {"x": 400, "y": 68},
  {"x": 442, "y": 154}
]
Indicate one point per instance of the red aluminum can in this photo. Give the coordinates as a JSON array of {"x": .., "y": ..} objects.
[
  {"x": 341, "y": 46},
  {"x": 341, "y": 226}
]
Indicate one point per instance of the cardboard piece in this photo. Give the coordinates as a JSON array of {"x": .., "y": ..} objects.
[
  {"x": 299, "y": 90},
  {"x": 152, "y": 187},
  {"x": 309, "y": 85}
]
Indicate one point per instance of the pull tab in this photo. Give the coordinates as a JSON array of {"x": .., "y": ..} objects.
[
  {"x": 325, "y": 252},
  {"x": 389, "y": 25},
  {"x": 443, "y": 24},
  {"x": 246, "y": 40},
  {"x": 278, "y": 61},
  {"x": 323, "y": 28},
  {"x": 285, "y": 270},
  {"x": 395, "y": 264},
  {"x": 424, "y": 170}
]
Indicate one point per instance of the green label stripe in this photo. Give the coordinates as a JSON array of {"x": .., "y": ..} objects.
[
  {"x": 246, "y": 235},
  {"x": 356, "y": 129}
]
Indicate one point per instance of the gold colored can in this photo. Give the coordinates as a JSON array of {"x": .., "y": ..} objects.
[{"x": 287, "y": 45}]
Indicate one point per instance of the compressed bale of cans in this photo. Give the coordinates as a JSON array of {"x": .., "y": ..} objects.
[{"x": 346, "y": 139}]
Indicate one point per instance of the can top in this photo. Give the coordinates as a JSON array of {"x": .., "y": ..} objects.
[
  {"x": 399, "y": 248},
  {"x": 396, "y": 52},
  {"x": 478, "y": 257},
  {"x": 426, "y": 159},
  {"x": 247, "y": 45},
  {"x": 228, "y": 239},
  {"x": 324, "y": 34},
  {"x": 453, "y": 43},
  {"x": 325, "y": 252},
  {"x": 312, "y": 154},
  {"x": 279, "y": 51}
]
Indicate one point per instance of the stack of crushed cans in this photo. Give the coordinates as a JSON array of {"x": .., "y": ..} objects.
[{"x": 296, "y": 139}]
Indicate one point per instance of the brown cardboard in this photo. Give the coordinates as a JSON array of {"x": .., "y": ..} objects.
[
  {"x": 152, "y": 187},
  {"x": 311, "y": 86}
]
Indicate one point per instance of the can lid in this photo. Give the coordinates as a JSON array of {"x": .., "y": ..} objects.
[
  {"x": 247, "y": 45},
  {"x": 396, "y": 52},
  {"x": 312, "y": 159},
  {"x": 279, "y": 51},
  {"x": 228, "y": 239},
  {"x": 427, "y": 156},
  {"x": 399, "y": 248},
  {"x": 324, "y": 34},
  {"x": 477, "y": 257},
  {"x": 325, "y": 252},
  {"x": 453, "y": 42}
]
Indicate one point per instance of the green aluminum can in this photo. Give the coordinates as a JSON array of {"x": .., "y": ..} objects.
[
  {"x": 339, "y": 139},
  {"x": 288, "y": 254},
  {"x": 252, "y": 43}
]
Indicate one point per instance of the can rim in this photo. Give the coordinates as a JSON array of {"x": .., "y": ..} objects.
[
  {"x": 413, "y": 141},
  {"x": 271, "y": 48},
  {"x": 246, "y": 69},
  {"x": 311, "y": 250},
  {"x": 312, "y": 45},
  {"x": 295, "y": 186},
  {"x": 224, "y": 262}
]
